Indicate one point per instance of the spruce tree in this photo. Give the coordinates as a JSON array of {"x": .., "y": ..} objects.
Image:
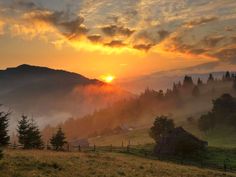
[
  {"x": 199, "y": 82},
  {"x": 210, "y": 78},
  {"x": 34, "y": 137},
  {"x": 4, "y": 138},
  {"x": 23, "y": 127},
  {"x": 58, "y": 140},
  {"x": 28, "y": 134}
]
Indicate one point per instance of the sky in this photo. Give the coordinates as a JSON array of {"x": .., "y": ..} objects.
[{"x": 120, "y": 38}]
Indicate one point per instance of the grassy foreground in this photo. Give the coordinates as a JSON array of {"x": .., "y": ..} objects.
[{"x": 19, "y": 163}]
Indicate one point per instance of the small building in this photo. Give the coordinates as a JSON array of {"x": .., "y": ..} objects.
[{"x": 179, "y": 141}]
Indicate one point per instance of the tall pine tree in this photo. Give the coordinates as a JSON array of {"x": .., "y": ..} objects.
[
  {"x": 23, "y": 127},
  {"x": 29, "y": 135},
  {"x": 4, "y": 138},
  {"x": 34, "y": 136},
  {"x": 58, "y": 140}
]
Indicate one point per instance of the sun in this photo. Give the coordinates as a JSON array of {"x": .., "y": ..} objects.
[{"x": 108, "y": 78}]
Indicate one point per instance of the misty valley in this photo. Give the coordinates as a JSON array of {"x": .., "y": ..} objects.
[
  {"x": 192, "y": 123},
  {"x": 117, "y": 88}
]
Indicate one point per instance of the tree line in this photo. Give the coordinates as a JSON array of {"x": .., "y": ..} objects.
[{"x": 28, "y": 134}]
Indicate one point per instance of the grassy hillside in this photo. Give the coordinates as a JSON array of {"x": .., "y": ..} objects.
[
  {"x": 221, "y": 137},
  {"x": 136, "y": 137},
  {"x": 60, "y": 164}
]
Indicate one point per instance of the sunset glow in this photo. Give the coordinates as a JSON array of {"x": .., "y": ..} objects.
[
  {"x": 96, "y": 37},
  {"x": 108, "y": 78}
]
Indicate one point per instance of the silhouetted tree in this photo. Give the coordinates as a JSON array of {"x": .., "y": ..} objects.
[
  {"x": 58, "y": 140},
  {"x": 28, "y": 134},
  {"x": 227, "y": 76},
  {"x": 161, "y": 126},
  {"x": 210, "y": 79},
  {"x": 199, "y": 82},
  {"x": 188, "y": 81}
]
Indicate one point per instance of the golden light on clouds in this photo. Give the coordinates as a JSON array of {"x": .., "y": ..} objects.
[{"x": 99, "y": 37}]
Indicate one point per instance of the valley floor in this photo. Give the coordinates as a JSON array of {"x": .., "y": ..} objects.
[{"x": 19, "y": 163}]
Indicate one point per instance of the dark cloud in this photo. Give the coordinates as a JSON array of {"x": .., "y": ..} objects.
[
  {"x": 182, "y": 47},
  {"x": 28, "y": 5},
  {"x": 200, "y": 21},
  {"x": 116, "y": 43},
  {"x": 70, "y": 25},
  {"x": 145, "y": 47},
  {"x": 148, "y": 36},
  {"x": 94, "y": 38},
  {"x": 212, "y": 41},
  {"x": 113, "y": 30},
  {"x": 163, "y": 34}
]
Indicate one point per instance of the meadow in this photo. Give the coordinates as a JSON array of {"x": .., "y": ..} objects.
[{"x": 20, "y": 163}]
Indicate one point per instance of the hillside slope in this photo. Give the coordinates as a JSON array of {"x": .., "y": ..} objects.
[
  {"x": 53, "y": 95},
  {"x": 61, "y": 164}
]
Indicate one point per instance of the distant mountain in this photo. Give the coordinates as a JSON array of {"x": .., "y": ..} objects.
[{"x": 53, "y": 95}]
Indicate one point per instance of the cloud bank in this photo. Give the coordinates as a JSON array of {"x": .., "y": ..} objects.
[{"x": 203, "y": 27}]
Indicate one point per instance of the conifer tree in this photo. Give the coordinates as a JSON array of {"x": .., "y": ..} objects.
[
  {"x": 34, "y": 136},
  {"x": 58, "y": 140},
  {"x": 210, "y": 78},
  {"x": 199, "y": 82},
  {"x": 23, "y": 127},
  {"x": 28, "y": 134},
  {"x": 4, "y": 138}
]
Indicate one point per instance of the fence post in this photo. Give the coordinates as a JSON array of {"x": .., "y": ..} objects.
[
  {"x": 94, "y": 148},
  {"x": 79, "y": 148}
]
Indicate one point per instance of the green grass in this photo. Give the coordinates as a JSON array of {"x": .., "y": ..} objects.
[
  {"x": 19, "y": 163},
  {"x": 213, "y": 158},
  {"x": 136, "y": 137},
  {"x": 223, "y": 137}
]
